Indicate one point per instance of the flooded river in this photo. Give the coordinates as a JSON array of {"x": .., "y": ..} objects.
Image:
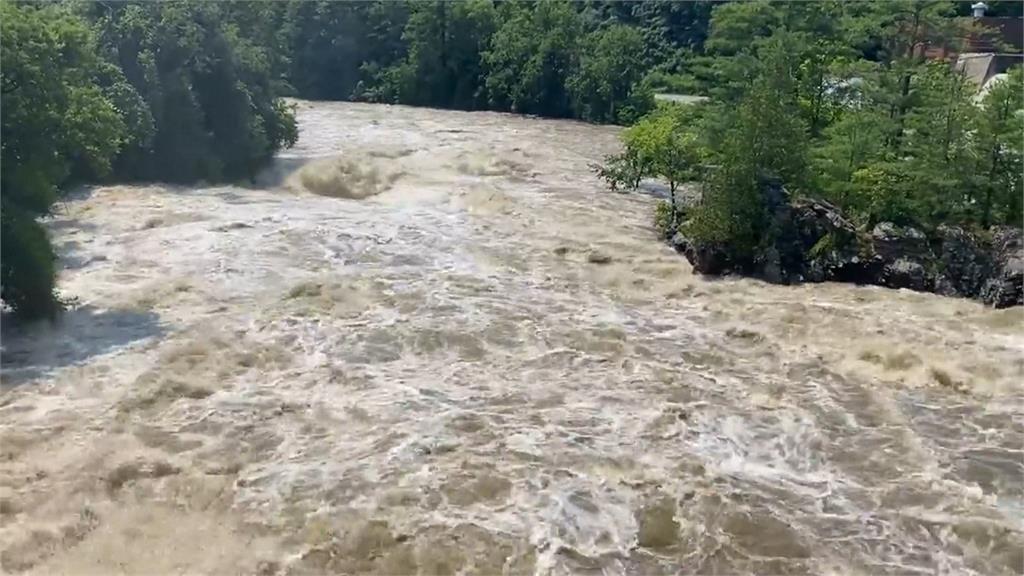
[{"x": 430, "y": 342}]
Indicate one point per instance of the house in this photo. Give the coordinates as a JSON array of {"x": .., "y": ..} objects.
[{"x": 991, "y": 47}]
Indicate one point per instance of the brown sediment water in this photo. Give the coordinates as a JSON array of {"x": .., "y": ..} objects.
[{"x": 430, "y": 342}]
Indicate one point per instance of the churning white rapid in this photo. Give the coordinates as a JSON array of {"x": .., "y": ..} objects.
[{"x": 431, "y": 342}]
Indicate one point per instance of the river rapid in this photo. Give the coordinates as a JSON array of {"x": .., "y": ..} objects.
[{"x": 430, "y": 342}]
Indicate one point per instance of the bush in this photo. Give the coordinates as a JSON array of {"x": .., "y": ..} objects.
[
  {"x": 27, "y": 274},
  {"x": 624, "y": 170},
  {"x": 663, "y": 219},
  {"x": 663, "y": 82},
  {"x": 884, "y": 191}
]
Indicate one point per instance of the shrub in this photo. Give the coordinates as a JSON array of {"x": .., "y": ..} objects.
[{"x": 27, "y": 274}]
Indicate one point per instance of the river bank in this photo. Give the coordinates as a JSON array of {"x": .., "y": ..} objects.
[{"x": 813, "y": 241}]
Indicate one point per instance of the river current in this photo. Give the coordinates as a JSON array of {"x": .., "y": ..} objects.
[{"x": 431, "y": 342}]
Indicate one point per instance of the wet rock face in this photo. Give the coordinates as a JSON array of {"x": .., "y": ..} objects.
[
  {"x": 907, "y": 257},
  {"x": 812, "y": 241},
  {"x": 892, "y": 242},
  {"x": 1005, "y": 287},
  {"x": 906, "y": 273},
  {"x": 706, "y": 257},
  {"x": 830, "y": 248},
  {"x": 964, "y": 263}
]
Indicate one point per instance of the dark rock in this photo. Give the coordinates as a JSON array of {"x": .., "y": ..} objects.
[
  {"x": 781, "y": 261},
  {"x": 679, "y": 241},
  {"x": 906, "y": 257},
  {"x": 815, "y": 218},
  {"x": 894, "y": 242},
  {"x": 815, "y": 271},
  {"x": 963, "y": 263},
  {"x": 233, "y": 226},
  {"x": 811, "y": 241},
  {"x": 596, "y": 257},
  {"x": 1005, "y": 287},
  {"x": 769, "y": 264},
  {"x": 830, "y": 248},
  {"x": 906, "y": 273},
  {"x": 705, "y": 257}
]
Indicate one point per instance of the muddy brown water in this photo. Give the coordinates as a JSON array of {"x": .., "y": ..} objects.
[{"x": 430, "y": 342}]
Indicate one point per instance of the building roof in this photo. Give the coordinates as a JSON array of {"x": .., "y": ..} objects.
[{"x": 977, "y": 67}]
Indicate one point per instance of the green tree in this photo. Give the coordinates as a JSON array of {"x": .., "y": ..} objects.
[
  {"x": 999, "y": 147},
  {"x": 532, "y": 54},
  {"x": 610, "y": 69},
  {"x": 669, "y": 27},
  {"x": 668, "y": 145},
  {"x": 814, "y": 36},
  {"x": 210, "y": 91},
  {"x": 328, "y": 44},
  {"x": 924, "y": 179},
  {"x": 897, "y": 33},
  {"x": 764, "y": 139},
  {"x": 443, "y": 67},
  {"x": 56, "y": 121},
  {"x": 856, "y": 140}
]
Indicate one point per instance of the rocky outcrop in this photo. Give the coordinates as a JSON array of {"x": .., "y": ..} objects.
[
  {"x": 811, "y": 241},
  {"x": 964, "y": 262},
  {"x": 706, "y": 257},
  {"x": 1005, "y": 286}
]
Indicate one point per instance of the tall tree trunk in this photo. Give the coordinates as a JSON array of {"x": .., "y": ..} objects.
[{"x": 901, "y": 106}]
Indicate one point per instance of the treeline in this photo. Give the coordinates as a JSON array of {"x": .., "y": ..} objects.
[
  {"x": 835, "y": 100},
  {"x": 92, "y": 91},
  {"x": 594, "y": 60}
]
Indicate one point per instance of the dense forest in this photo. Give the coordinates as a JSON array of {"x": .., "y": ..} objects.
[
  {"x": 835, "y": 101},
  {"x": 839, "y": 102},
  {"x": 832, "y": 97}
]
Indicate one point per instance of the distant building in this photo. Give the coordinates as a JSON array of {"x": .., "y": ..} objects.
[{"x": 992, "y": 46}]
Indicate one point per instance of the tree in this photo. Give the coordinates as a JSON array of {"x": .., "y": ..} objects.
[
  {"x": 765, "y": 139},
  {"x": 210, "y": 91},
  {"x": 57, "y": 121},
  {"x": 670, "y": 26},
  {"x": 854, "y": 141},
  {"x": 327, "y": 43},
  {"x": 813, "y": 32},
  {"x": 665, "y": 144},
  {"x": 897, "y": 34},
  {"x": 999, "y": 145},
  {"x": 532, "y": 54},
  {"x": 668, "y": 145},
  {"x": 175, "y": 91},
  {"x": 610, "y": 68},
  {"x": 895, "y": 135},
  {"x": 443, "y": 67}
]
